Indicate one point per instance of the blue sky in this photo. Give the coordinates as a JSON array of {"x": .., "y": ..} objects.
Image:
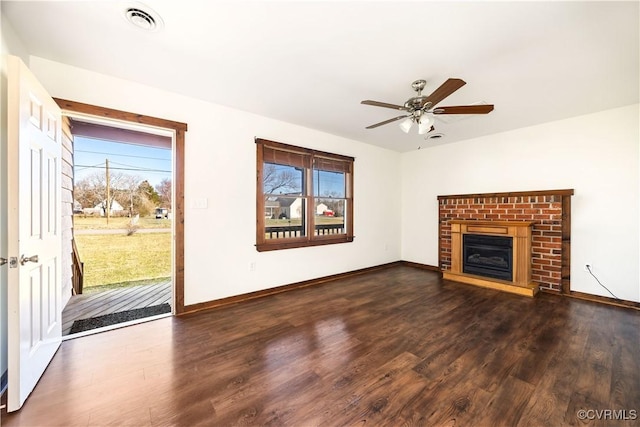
[{"x": 150, "y": 163}]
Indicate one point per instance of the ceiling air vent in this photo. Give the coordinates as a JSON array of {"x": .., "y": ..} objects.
[{"x": 143, "y": 19}]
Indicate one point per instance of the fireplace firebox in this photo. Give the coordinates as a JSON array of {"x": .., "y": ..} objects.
[{"x": 488, "y": 256}]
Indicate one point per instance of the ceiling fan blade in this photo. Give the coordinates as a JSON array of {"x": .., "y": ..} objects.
[
  {"x": 383, "y": 104},
  {"x": 445, "y": 89},
  {"x": 388, "y": 121},
  {"x": 464, "y": 109}
]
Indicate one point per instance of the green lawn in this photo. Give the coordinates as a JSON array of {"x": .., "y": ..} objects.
[{"x": 117, "y": 258}]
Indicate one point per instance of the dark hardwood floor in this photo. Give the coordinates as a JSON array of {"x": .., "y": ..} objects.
[{"x": 388, "y": 348}]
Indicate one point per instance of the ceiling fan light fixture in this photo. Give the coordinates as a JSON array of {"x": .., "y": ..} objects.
[
  {"x": 405, "y": 125},
  {"x": 425, "y": 124}
]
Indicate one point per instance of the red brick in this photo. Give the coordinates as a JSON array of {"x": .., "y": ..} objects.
[
  {"x": 523, "y": 217},
  {"x": 542, "y": 217}
]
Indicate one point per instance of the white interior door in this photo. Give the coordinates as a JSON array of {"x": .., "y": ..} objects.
[{"x": 34, "y": 240}]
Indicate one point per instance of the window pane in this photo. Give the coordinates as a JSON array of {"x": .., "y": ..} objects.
[
  {"x": 328, "y": 184},
  {"x": 284, "y": 217},
  {"x": 329, "y": 216},
  {"x": 282, "y": 179}
]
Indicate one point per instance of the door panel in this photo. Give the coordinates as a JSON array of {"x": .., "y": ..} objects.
[{"x": 34, "y": 217}]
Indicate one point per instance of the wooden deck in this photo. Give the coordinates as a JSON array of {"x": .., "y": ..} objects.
[{"x": 114, "y": 301}]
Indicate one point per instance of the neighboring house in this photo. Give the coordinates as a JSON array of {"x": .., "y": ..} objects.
[
  {"x": 99, "y": 209},
  {"x": 290, "y": 207},
  {"x": 321, "y": 208}
]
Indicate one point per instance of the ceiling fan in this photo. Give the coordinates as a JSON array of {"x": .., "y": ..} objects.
[{"x": 421, "y": 109}]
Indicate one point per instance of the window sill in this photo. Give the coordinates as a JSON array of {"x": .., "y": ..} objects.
[{"x": 279, "y": 245}]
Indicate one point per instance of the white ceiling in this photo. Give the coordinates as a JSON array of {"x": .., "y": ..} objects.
[{"x": 311, "y": 63}]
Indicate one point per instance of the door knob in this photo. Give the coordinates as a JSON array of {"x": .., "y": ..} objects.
[
  {"x": 24, "y": 259},
  {"x": 3, "y": 261}
]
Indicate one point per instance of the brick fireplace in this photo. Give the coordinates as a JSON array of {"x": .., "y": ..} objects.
[{"x": 548, "y": 211}]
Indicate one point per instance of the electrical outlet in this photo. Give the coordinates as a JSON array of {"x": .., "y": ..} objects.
[
  {"x": 252, "y": 266},
  {"x": 588, "y": 266}
]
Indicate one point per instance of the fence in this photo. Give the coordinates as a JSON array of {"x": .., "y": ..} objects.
[{"x": 290, "y": 231}]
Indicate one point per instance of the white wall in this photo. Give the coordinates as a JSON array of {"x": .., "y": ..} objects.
[
  {"x": 597, "y": 155},
  {"x": 220, "y": 166}
]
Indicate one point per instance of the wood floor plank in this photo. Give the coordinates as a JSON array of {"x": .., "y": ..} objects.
[
  {"x": 398, "y": 346},
  {"x": 625, "y": 377},
  {"x": 507, "y": 405}
]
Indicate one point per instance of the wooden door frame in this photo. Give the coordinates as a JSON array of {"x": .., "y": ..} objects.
[{"x": 178, "y": 186}]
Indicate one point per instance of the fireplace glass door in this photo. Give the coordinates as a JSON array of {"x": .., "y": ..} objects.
[{"x": 488, "y": 256}]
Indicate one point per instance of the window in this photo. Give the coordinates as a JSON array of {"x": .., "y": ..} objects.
[{"x": 304, "y": 197}]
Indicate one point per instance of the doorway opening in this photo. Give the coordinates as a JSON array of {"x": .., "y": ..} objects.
[{"x": 127, "y": 219}]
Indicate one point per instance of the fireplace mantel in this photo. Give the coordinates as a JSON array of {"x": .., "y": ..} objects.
[{"x": 519, "y": 231}]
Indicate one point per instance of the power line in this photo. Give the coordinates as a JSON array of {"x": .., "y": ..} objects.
[
  {"x": 124, "y": 169},
  {"x": 129, "y": 166},
  {"x": 83, "y": 167},
  {"x": 122, "y": 155}
]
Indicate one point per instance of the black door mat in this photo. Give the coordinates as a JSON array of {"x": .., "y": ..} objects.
[{"x": 82, "y": 325}]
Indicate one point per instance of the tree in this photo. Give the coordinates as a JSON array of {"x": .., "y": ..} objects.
[
  {"x": 85, "y": 194},
  {"x": 144, "y": 206},
  {"x": 164, "y": 191},
  {"x": 276, "y": 178},
  {"x": 127, "y": 195},
  {"x": 147, "y": 190},
  {"x": 92, "y": 190}
]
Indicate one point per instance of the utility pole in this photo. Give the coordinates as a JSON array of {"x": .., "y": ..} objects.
[{"x": 108, "y": 192}]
